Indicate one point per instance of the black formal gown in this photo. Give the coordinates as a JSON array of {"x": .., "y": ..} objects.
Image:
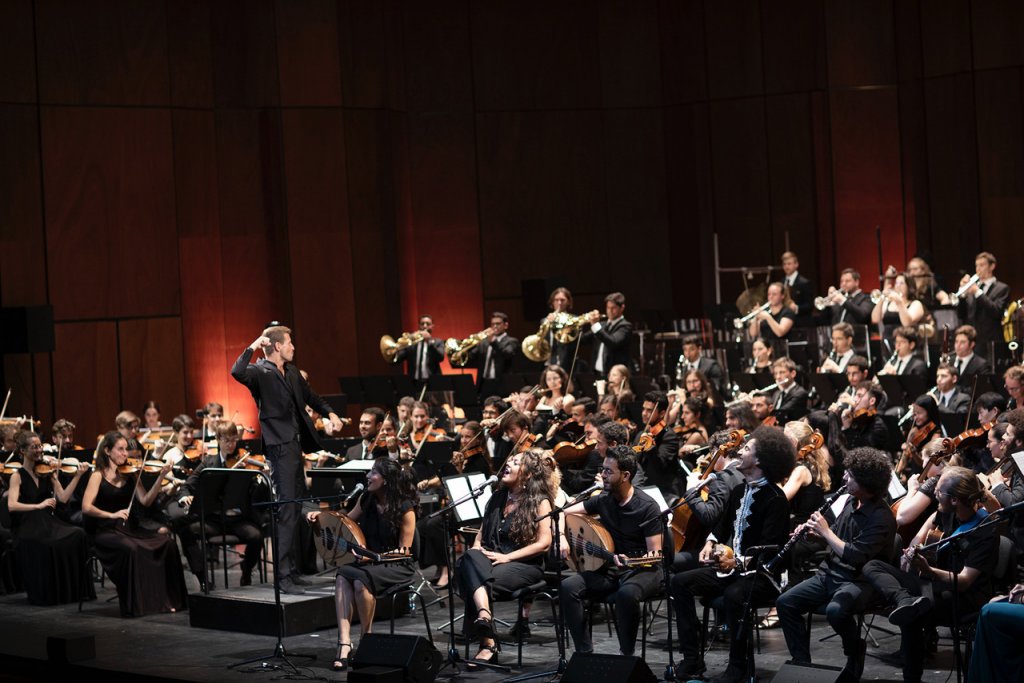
[
  {"x": 381, "y": 536},
  {"x": 51, "y": 555},
  {"x": 144, "y": 565}
]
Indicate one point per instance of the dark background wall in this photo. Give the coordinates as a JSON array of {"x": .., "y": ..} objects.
[{"x": 176, "y": 174}]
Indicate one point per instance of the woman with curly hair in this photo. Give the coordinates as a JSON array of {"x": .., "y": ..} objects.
[
  {"x": 386, "y": 512},
  {"x": 508, "y": 551}
]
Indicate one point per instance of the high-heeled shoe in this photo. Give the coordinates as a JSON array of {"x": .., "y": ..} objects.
[
  {"x": 493, "y": 659},
  {"x": 341, "y": 663},
  {"x": 483, "y": 627}
]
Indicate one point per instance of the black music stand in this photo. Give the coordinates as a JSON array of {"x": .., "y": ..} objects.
[
  {"x": 902, "y": 390},
  {"x": 222, "y": 489},
  {"x": 334, "y": 483},
  {"x": 432, "y": 457},
  {"x": 829, "y": 385}
]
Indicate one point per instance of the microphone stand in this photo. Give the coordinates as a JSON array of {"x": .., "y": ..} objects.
[
  {"x": 453, "y": 651},
  {"x": 666, "y": 571},
  {"x": 279, "y": 651}
]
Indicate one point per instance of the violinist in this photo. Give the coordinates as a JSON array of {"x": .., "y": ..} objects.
[
  {"x": 691, "y": 430},
  {"x": 369, "y": 427},
  {"x": 1013, "y": 382},
  {"x": 921, "y": 589},
  {"x": 151, "y": 415},
  {"x": 610, "y": 409},
  {"x": 403, "y": 411},
  {"x": 1006, "y": 481},
  {"x": 925, "y": 425},
  {"x": 493, "y": 356},
  {"x": 50, "y": 554},
  {"x": 558, "y": 398},
  {"x": 185, "y": 453},
  {"x": 212, "y": 412},
  {"x": 842, "y": 349},
  {"x": 127, "y": 423},
  {"x": 862, "y": 425},
  {"x": 805, "y": 488},
  {"x": 762, "y": 409},
  {"x": 63, "y": 433},
  {"x": 496, "y": 446},
  {"x": 696, "y": 385},
  {"x": 790, "y": 399},
  {"x": 951, "y": 398},
  {"x": 657, "y": 447},
  {"x": 777, "y": 321},
  {"x": 982, "y": 305},
  {"x": 741, "y": 416},
  {"x": 423, "y": 427},
  {"x": 693, "y": 360},
  {"x": 903, "y": 360},
  {"x": 239, "y": 520},
  {"x": 570, "y": 428},
  {"x": 423, "y": 359},
  {"x": 967, "y": 362},
  {"x": 516, "y": 428},
  {"x": 144, "y": 565},
  {"x": 611, "y": 337},
  {"x": 605, "y": 434}
]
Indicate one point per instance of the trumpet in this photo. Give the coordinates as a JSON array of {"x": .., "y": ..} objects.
[
  {"x": 458, "y": 351},
  {"x": 569, "y": 330},
  {"x": 955, "y": 298},
  {"x": 746, "y": 397},
  {"x": 740, "y": 322},
  {"x": 389, "y": 347},
  {"x": 823, "y": 302}
]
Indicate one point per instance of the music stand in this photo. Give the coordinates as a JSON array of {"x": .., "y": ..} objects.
[
  {"x": 432, "y": 456},
  {"x": 378, "y": 389},
  {"x": 334, "y": 482},
  {"x": 221, "y": 489},
  {"x": 744, "y": 381},
  {"x": 829, "y": 385},
  {"x": 351, "y": 389}
]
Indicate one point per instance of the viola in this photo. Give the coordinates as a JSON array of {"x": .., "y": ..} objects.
[
  {"x": 770, "y": 421},
  {"x": 683, "y": 430},
  {"x": 193, "y": 452},
  {"x": 570, "y": 453},
  {"x": 916, "y": 437}
]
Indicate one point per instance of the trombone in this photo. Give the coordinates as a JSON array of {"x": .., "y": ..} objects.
[
  {"x": 740, "y": 322},
  {"x": 389, "y": 347}
]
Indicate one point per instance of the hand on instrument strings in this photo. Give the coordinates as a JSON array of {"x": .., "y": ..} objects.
[
  {"x": 495, "y": 558},
  {"x": 564, "y": 547},
  {"x": 704, "y": 557},
  {"x": 50, "y": 503},
  {"x": 261, "y": 342}
]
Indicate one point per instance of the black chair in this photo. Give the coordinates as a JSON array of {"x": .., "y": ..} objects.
[
  {"x": 540, "y": 589},
  {"x": 214, "y": 498}
]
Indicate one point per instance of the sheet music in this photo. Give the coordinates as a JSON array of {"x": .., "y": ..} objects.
[
  {"x": 461, "y": 485},
  {"x": 357, "y": 465},
  {"x": 896, "y": 488},
  {"x": 838, "y": 504},
  {"x": 655, "y": 493}
]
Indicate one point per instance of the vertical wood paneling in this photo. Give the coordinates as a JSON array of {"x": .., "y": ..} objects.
[
  {"x": 681, "y": 38},
  {"x": 17, "y": 54},
  {"x": 998, "y": 32},
  {"x": 22, "y": 256},
  {"x": 628, "y": 48},
  {"x": 794, "y": 46},
  {"x": 733, "y": 29},
  {"x": 307, "y": 49},
  {"x": 86, "y": 377},
  {"x": 861, "y": 42},
  {"x": 151, "y": 365},
  {"x": 189, "y": 49},
  {"x": 945, "y": 36}
]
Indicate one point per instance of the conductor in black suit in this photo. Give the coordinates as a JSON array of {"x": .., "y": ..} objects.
[
  {"x": 790, "y": 399},
  {"x": 493, "y": 356},
  {"x": 693, "y": 358},
  {"x": 849, "y": 304},
  {"x": 611, "y": 337},
  {"x": 984, "y": 303},
  {"x": 423, "y": 359},
  {"x": 967, "y": 362},
  {"x": 282, "y": 396},
  {"x": 800, "y": 291}
]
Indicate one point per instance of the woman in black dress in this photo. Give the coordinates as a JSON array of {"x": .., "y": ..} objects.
[
  {"x": 144, "y": 565},
  {"x": 778, "y": 320},
  {"x": 508, "y": 551},
  {"x": 51, "y": 554},
  {"x": 386, "y": 513}
]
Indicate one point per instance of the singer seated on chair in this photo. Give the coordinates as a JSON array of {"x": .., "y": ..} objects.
[
  {"x": 508, "y": 551},
  {"x": 863, "y": 531},
  {"x": 386, "y": 513}
]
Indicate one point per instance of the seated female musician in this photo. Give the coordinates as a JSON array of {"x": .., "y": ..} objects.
[
  {"x": 509, "y": 549},
  {"x": 897, "y": 307},
  {"x": 761, "y": 357},
  {"x": 185, "y": 452},
  {"x": 691, "y": 430},
  {"x": 925, "y": 425},
  {"x": 422, "y": 426},
  {"x": 921, "y": 589},
  {"x": 50, "y": 554},
  {"x": 151, "y": 415},
  {"x": 617, "y": 385},
  {"x": 696, "y": 385},
  {"x": 806, "y": 487},
  {"x": 471, "y": 457},
  {"x": 557, "y": 399},
  {"x": 144, "y": 565},
  {"x": 386, "y": 513},
  {"x": 777, "y": 321}
]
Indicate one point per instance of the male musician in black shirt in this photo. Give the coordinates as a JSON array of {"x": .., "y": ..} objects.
[
  {"x": 611, "y": 337},
  {"x": 849, "y": 304},
  {"x": 630, "y": 517},
  {"x": 660, "y": 462},
  {"x": 693, "y": 358},
  {"x": 863, "y": 429},
  {"x": 493, "y": 356},
  {"x": 967, "y": 362},
  {"x": 863, "y": 531},
  {"x": 606, "y": 435},
  {"x": 423, "y": 360},
  {"x": 799, "y": 289},
  {"x": 790, "y": 400},
  {"x": 282, "y": 395},
  {"x": 369, "y": 426},
  {"x": 983, "y": 304},
  {"x": 756, "y": 514}
]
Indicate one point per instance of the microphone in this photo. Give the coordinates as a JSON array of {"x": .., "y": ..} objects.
[
  {"x": 353, "y": 493},
  {"x": 583, "y": 494},
  {"x": 492, "y": 480}
]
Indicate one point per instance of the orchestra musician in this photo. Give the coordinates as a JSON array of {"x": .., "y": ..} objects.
[
  {"x": 496, "y": 445},
  {"x": 801, "y": 296},
  {"x": 63, "y": 433},
  {"x": 605, "y": 434},
  {"x": 842, "y": 349},
  {"x": 790, "y": 399},
  {"x": 920, "y": 501},
  {"x": 151, "y": 415},
  {"x": 967, "y": 362},
  {"x": 386, "y": 513},
  {"x": 761, "y": 357},
  {"x": 924, "y": 425},
  {"x": 756, "y": 514},
  {"x": 1006, "y": 482},
  {"x": 238, "y": 521},
  {"x": 617, "y": 386},
  {"x": 370, "y": 421},
  {"x": 741, "y": 416},
  {"x": 560, "y": 303},
  {"x": 558, "y": 397},
  {"x": 694, "y": 360},
  {"x": 983, "y": 303},
  {"x": 631, "y": 518},
  {"x": 929, "y": 293},
  {"x": 761, "y": 406},
  {"x": 183, "y": 432},
  {"x": 1000, "y": 631},
  {"x": 848, "y": 303},
  {"x": 611, "y": 337},
  {"x": 777, "y": 321},
  {"x": 950, "y": 397},
  {"x": 508, "y": 552},
  {"x": 1013, "y": 382},
  {"x": 50, "y": 554},
  {"x": 144, "y": 565},
  {"x": 657, "y": 447},
  {"x": 903, "y": 360},
  {"x": 212, "y": 412},
  {"x": 493, "y": 356},
  {"x": 423, "y": 359},
  {"x": 862, "y": 531},
  {"x": 282, "y": 394},
  {"x": 862, "y": 424},
  {"x": 805, "y": 488},
  {"x": 127, "y": 423},
  {"x": 423, "y": 427},
  {"x": 898, "y": 307},
  {"x": 921, "y": 589},
  {"x": 690, "y": 428}
]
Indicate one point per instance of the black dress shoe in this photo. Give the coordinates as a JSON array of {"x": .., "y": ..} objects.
[
  {"x": 300, "y": 580},
  {"x": 246, "y": 579},
  {"x": 909, "y": 611},
  {"x": 519, "y": 629},
  {"x": 288, "y": 585}
]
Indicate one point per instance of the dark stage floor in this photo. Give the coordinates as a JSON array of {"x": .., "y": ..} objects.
[{"x": 167, "y": 647}]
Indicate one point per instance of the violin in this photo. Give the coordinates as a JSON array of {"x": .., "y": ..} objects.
[
  {"x": 968, "y": 437},
  {"x": 916, "y": 437},
  {"x": 863, "y": 414},
  {"x": 571, "y": 453},
  {"x": 770, "y": 421},
  {"x": 131, "y": 466},
  {"x": 647, "y": 440},
  {"x": 244, "y": 460},
  {"x": 193, "y": 452},
  {"x": 526, "y": 443},
  {"x": 736, "y": 439},
  {"x": 816, "y": 442}
]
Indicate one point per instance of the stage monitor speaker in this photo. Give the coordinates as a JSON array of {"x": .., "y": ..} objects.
[
  {"x": 420, "y": 661},
  {"x": 594, "y": 668},
  {"x": 806, "y": 673},
  {"x": 27, "y": 329}
]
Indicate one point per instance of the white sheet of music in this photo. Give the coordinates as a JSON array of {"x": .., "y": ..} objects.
[
  {"x": 357, "y": 465},
  {"x": 896, "y": 488},
  {"x": 460, "y": 486},
  {"x": 655, "y": 493}
]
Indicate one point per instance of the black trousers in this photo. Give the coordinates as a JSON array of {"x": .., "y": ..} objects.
[
  {"x": 289, "y": 482},
  {"x": 625, "y": 592},
  {"x": 475, "y": 570},
  {"x": 734, "y": 589},
  {"x": 246, "y": 531},
  {"x": 844, "y": 600}
]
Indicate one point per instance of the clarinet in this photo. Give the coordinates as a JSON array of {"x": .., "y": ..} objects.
[{"x": 769, "y": 566}]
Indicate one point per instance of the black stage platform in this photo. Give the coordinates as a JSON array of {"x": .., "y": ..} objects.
[{"x": 168, "y": 647}]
